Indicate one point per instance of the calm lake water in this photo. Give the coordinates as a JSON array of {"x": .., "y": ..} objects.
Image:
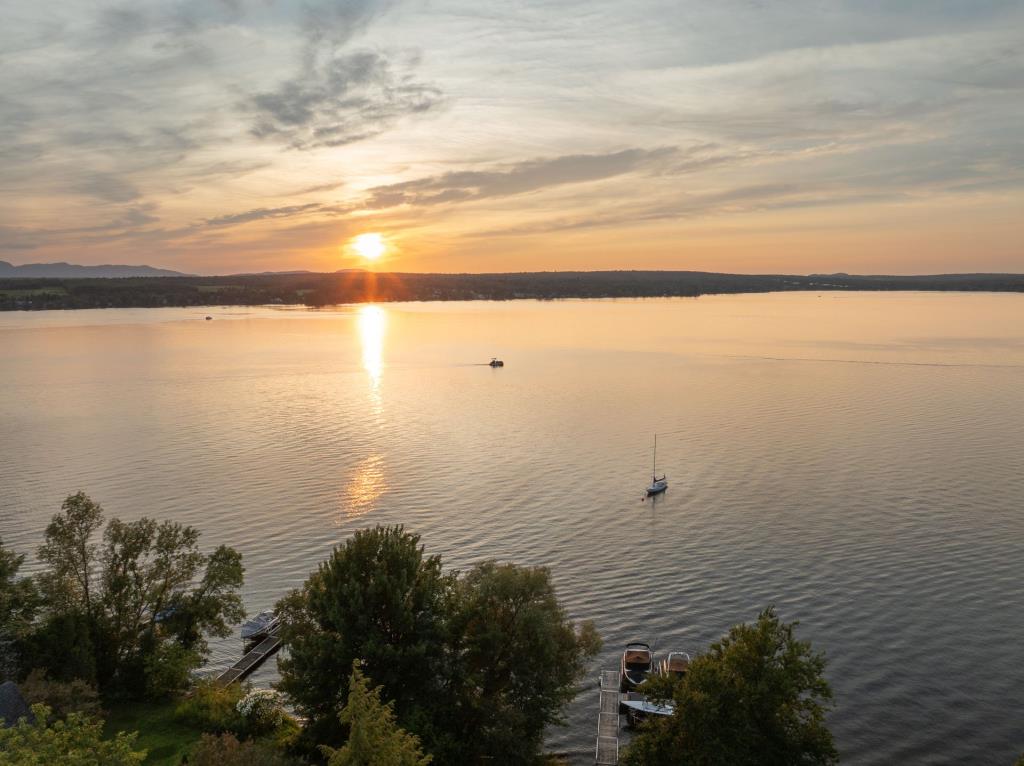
[{"x": 855, "y": 459}]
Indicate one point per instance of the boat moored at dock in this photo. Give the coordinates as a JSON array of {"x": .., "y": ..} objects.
[
  {"x": 675, "y": 664},
  {"x": 260, "y": 626},
  {"x": 637, "y": 661}
]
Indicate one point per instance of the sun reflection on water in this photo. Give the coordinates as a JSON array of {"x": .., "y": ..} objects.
[
  {"x": 366, "y": 485},
  {"x": 373, "y": 322}
]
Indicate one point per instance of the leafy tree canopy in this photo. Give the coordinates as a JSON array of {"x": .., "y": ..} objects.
[
  {"x": 378, "y": 599},
  {"x": 517, "y": 658},
  {"x": 19, "y": 602},
  {"x": 18, "y": 597},
  {"x": 130, "y": 612},
  {"x": 758, "y": 697},
  {"x": 74, "y": 741},
  {"x": 375, "y": 738},
  {"x": 476, "y": 665}
]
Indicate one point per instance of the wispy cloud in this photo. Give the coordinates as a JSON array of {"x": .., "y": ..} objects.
[
  {"x": 517, "y": 178},
  {"x": 339, "y": 100},
  {"x": 261, "y": 214}
]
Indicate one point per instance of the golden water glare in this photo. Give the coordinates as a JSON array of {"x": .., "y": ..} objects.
[
  {"x": 366, "y": 485},
  {"x": 367, "y": 482},
  {"x": 373, "y": 321}
]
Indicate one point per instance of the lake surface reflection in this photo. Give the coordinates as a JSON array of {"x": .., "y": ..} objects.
[{"x": 856, "y": 459}]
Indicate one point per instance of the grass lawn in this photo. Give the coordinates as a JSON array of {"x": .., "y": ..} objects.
[{"x": 160, "y": 733}]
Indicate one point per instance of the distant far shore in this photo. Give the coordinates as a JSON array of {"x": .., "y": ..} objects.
[{"x": 312, "y": 289}]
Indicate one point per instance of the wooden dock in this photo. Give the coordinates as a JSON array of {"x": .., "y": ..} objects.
[
  {"x": 607, "y": 749},
  {"x": 252, "y": 659}
]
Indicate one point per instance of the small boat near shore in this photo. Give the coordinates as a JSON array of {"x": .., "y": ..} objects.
[
  {"x": 675, "y": 664},
  {"x": 637, "y": 660},
  {"x": 638, "y": 709},
  {"x": 495, "y": 362},
  {"x": 259, "y": 626}
]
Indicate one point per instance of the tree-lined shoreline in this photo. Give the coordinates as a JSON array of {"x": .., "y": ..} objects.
[
  {"x": 394, "y": 660},
  {"x": 314, "y": 289}
]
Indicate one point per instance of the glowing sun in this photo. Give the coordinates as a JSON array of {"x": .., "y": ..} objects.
[{"x": 370, "y": 246}]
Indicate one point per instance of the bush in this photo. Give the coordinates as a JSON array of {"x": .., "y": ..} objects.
[
  {"x": 286, "y": 736},
  {"x": 63, "y": 645},
  {"x": 262, "y": 710},
  {"x": 63, "y": 698},
  {"x": 227, "y": 750},
  {"x": 169, "y": 669},
  {"x": 76, "y": 741},
  {"x": 213, "y": 707}
]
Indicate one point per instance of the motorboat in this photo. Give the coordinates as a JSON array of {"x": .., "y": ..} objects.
[
  {"x": 495, "y": 362},
  {"x": 638, "y": 708},
  {"x": 637, "y": 660},
  {"x": 657, "y": 485},
  {"x": 675, "y": 665},
  {"x": 259, "y": 626}
]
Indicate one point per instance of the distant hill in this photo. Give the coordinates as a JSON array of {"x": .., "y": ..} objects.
[{"x": 72, "y": 271}]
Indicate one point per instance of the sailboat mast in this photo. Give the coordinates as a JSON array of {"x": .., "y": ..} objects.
[{"x": 654, "y": 464}]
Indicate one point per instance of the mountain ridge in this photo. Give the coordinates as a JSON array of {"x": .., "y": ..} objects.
[{"x": 64, "y": 270}]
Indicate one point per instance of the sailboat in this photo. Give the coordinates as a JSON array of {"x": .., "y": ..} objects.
[{"x": 657, "y": 485}]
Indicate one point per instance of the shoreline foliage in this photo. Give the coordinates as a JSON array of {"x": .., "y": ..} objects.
[
  {"x": 757, "y": 697},
  {"x": 128, "y": 608},
  {"x": 476, "y": 664}
]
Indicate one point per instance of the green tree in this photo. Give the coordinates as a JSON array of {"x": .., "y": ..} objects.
[
  {"x": 375, "y": 738},
  {"x": 130, "y": 613},
  {"x": 19, "y": 602},
  {"x": 476, "y": 666},
  {"x": 74, "y": 741},
  {"x": 215, "y": 605},
  {"x": 517, "y": 662},
  {"x": 71, "y": 555},
  {"x": 758, "y": 697},
  {"x": 378, "y": 598}
]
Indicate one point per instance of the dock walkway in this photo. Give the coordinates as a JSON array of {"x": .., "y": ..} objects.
[
  {"x": 607, "y": 749},
  {"x": 252, "y": 659}
]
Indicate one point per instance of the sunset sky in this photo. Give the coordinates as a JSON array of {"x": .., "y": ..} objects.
[{"x": 800, "y": 136}]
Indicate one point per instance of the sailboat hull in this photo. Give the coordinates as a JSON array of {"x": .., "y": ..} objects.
[{"x": 657, "y": 487}]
